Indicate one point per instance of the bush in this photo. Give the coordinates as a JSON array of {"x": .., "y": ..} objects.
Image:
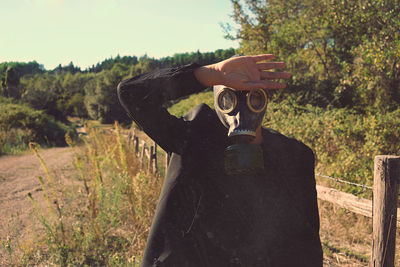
[{"x": 19, "y": 124}]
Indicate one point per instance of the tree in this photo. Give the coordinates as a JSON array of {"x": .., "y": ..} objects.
[
  {"x": 44, "y": 92},
  {"x": 375, "y": 73},
  {"x": 12, "y": 83},
  {"x": 101, "y": 98},
  {"x": 327, "y": 45}
]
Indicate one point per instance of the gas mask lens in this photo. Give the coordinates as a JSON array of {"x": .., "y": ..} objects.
[
  {"x": 257, "y": 100},
  {"x": 227, "y": 100}
]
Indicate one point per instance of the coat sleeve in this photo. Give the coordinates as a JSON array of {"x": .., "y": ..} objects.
[{"x": 144, "y": 98}]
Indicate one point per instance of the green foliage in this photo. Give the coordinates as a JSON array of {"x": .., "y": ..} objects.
[
  {"x": 340, "y": 53},
  {"x": 145, "y": 63},
  {"x": 107, "y": 64},
  {"x": 183, "y": 106},
  {"x": 101, "y": 95},
  {"x": 67, "y": 91},
  {"x": 10, "y": 74},
  {"x": 42, "y": 92},
  {"x": 21, "y": 68},
  {"x": 70, "y": 68},
  {"x": 59, "y": 94},
  {"x": 20, "y": 124},
  {"x": 200, "y": 58}
]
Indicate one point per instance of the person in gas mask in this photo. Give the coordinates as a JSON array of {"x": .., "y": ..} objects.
[{"x": 235, "y": 193}]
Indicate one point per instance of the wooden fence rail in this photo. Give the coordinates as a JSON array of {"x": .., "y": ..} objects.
[
  {"x": 348, "y": 201},
  {"x": 383, "y": 209}
]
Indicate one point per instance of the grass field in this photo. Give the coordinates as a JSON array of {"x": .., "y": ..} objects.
[{"x": 103, "y": 215}]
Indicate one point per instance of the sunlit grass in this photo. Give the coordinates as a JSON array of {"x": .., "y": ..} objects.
[{"x": 104, "y": 216}]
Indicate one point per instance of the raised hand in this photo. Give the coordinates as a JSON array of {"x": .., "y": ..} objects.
[{"x": 244, "y": 73}]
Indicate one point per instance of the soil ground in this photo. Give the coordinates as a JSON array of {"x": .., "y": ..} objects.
[{"x": 18, "y": 177}]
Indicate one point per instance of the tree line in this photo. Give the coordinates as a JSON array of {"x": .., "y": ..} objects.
[{"x": 69, "y": 91}]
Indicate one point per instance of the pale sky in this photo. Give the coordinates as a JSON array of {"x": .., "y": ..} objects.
[{"x": 86, "y": 32}]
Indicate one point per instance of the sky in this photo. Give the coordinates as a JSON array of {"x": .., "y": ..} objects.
[{"x": 86, "y": 32}]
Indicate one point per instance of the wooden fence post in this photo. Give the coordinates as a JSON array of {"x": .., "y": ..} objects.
[
  {"x": 154, "y": 157},
  {"x": 136, "y": 144},
  {"x": 386, "y": 188},
  {"x": 167, "y": 159},
  {"x": 142, "y": 153},
  {"x": 150, "y": 158},
  {"x": 130, "y": 138},
  {"x": 147, "y": 156}
]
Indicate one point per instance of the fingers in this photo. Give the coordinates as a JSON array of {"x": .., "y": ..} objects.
[
  {"x": 271, "y": 65},
  {"x": 255, "y": 75},
  {"x": 274, "y": 75},
  {"x": 263, "y": 85},
  {"x": 262, "y": 57}
]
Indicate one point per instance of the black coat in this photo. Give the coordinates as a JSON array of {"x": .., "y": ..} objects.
[{"x": 207, "y": 218}]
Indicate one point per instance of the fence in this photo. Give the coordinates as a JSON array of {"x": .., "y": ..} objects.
[
  {"x": 383, "y": 209},
  {"x": 147, "y": 154}
]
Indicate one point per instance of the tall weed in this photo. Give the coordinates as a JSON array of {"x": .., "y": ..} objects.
[{"x": 103, "y": 217}]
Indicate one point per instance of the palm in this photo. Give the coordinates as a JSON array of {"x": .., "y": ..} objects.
[
  {"x": 246, "y": 73},
  {"x": 241, "y": 71}
]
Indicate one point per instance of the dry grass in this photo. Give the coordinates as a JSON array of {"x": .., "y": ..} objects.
[
  {"x": 347, "y": 237},
  {"x": 103, "y": 216}
]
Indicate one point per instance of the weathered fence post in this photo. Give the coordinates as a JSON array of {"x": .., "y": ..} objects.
[
  {"x": 136, "y": 144},
  {"x": 135, "y": 141},
  {"x": 142, "y": 153},
  {"x": 154, "y": 157},
  {"x": 147, "y": 156},
  {"x": 150, "y": 158},
  {"x": 167, "y": 159},
  {"x": 386, "y": 188},
  {"x": 131, "y": 136}
]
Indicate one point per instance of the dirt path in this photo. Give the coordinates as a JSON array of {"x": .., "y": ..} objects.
[{"x": 19, "y": 176}]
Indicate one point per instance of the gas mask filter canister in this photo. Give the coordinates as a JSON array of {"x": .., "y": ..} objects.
[{"x": 242, "y": 113}]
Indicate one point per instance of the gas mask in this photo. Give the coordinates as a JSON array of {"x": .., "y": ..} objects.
[{"x": 242, "y": 113}]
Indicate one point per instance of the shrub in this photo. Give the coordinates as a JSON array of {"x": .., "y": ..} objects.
[{"x": 19, "y": 124}]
